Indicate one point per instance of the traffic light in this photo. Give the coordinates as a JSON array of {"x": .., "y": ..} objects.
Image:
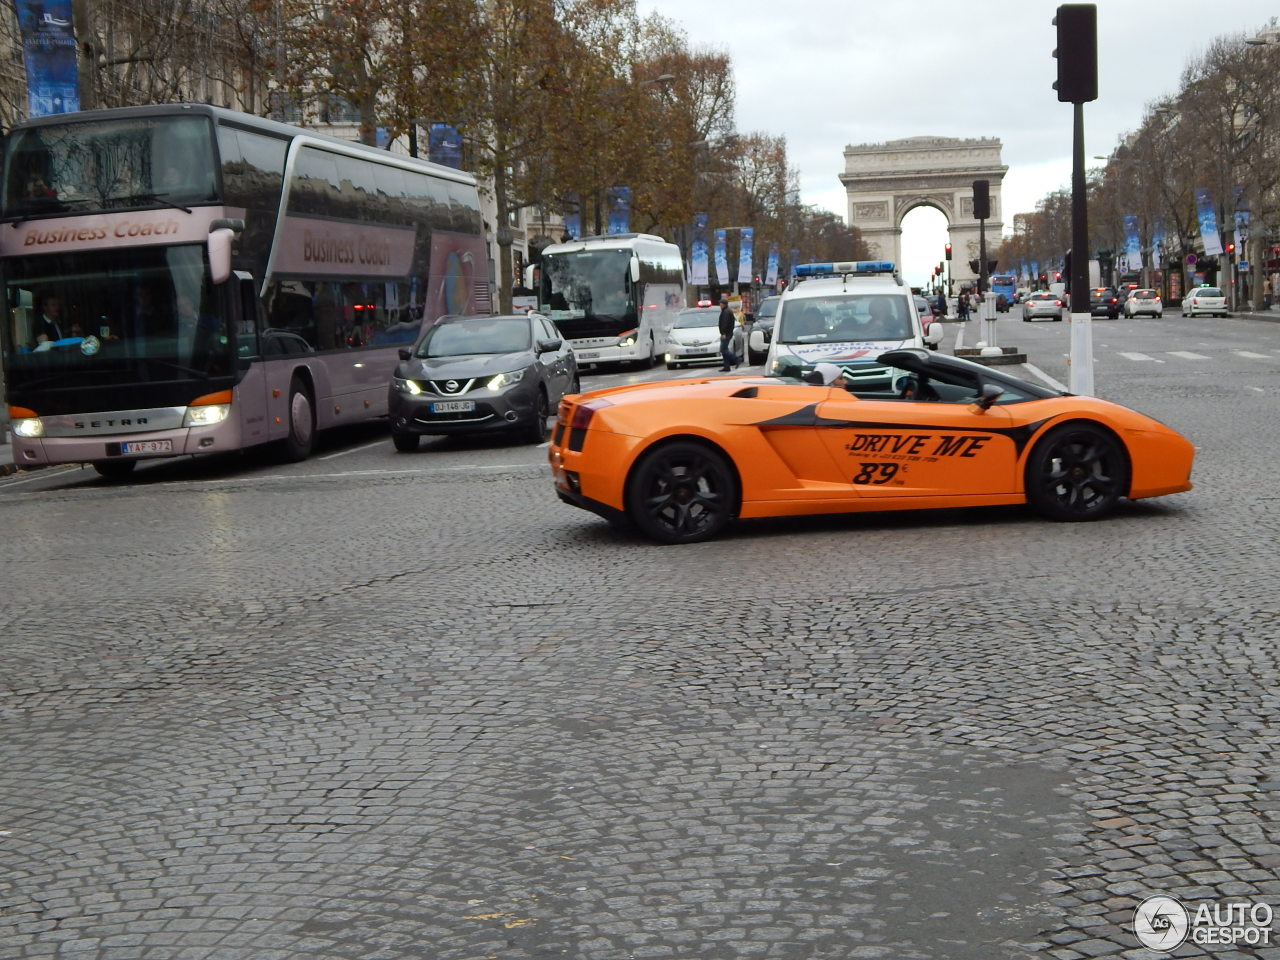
[
  {"x": 981, "y": 199},
  {"x": 1077, "y": 52},
  {"x": 973, "y": 266},
  {"x": 949, "y": 251},
  {"x": 1231, "y": 248}
]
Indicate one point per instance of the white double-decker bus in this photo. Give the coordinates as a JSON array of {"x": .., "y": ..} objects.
[
  {"x": 614, "y": 297},
  {"x": 183, "y": 279}
]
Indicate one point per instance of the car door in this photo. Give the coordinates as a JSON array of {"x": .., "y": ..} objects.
[
  {"x": 557, "y": 364},
  {"x": 896, "y": 447}
]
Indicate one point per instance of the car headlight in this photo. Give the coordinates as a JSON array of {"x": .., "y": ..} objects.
[
  {"x": 206, "y": 414},
  {"x": 406, "y": 386},
  {"x": 30, "y": 428},
  {"x": 505, "y": 379}
]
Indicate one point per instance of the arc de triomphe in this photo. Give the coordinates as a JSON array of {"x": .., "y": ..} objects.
[{"x": 886, "y": 181}]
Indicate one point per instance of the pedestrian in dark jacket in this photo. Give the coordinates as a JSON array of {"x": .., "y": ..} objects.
[{"x": 728, "y": 322}]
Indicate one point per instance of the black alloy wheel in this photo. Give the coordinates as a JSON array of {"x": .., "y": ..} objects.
[
  {"x": 536, "y": 431},
  {"x": 682, "y": 492},
  {"x": 1077, "y": 472}
]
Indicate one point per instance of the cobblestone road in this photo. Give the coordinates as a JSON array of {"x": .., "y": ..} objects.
[{"x": 390, "y": 706}]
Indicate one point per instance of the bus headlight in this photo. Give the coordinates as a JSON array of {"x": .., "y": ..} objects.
[
  {"x": 31, "y": 429},
  {"x": 627, "y": 341},
  {"x": 206, "y": 414},
  {"x": 505, "y": 379},
  {"x": 406, "y": 386}
]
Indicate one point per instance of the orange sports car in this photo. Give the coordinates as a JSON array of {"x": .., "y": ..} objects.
[{"x": 681, "y": 459}]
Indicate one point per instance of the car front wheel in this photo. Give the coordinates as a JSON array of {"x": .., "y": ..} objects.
[
  {"x": 682, "y": 492},
  {"x": 536, "y": 432},
  {"x": 1077, "y": 472},
  {"x": 405, "y": 442}
]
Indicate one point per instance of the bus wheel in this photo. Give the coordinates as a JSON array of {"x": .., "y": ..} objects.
[
  {"x": 114, "y": 469},
  {"x": 302, "y": 422}
]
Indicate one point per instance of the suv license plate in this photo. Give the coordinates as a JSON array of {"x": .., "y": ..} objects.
[
  {"x": 453, "y": 406},
  {"x": 147, "y": 446}
]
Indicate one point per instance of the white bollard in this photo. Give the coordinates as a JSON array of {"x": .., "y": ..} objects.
[
  {"x": 1081, "y": 380},
  {"x": 987, "y": 311}
]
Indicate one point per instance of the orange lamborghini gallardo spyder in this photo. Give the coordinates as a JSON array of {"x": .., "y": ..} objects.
[{"x": 681, "y": 459}]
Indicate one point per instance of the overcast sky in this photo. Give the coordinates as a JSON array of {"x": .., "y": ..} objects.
[{"x": 828, "y": 73}]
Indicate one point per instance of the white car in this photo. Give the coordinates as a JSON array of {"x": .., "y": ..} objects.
[
  {"x": 694, "y": 337},
  {"x": 1042, "y": 305},
  {"x": 847, "y": 313},
  {"x": 1206, "y": 300},
  {"x": 1145, "y": 302}
]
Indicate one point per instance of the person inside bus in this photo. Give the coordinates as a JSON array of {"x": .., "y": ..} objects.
[{"x": 49, "y": 322}]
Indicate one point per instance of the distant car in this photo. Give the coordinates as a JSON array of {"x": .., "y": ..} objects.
[
  {"x": 1206, "y": 300},
  {"x": 682, "y": 459},
  {"x": 1104, "y": 302},
  {"x": 1042, "y": 305},
  {"x": 762, "y": 329},
  {"x": 1145, "y": 302},
  {"x": 694, "y": 337},
  {"x": 479, "y": 375},
  {"x": 924, "y": 307}
]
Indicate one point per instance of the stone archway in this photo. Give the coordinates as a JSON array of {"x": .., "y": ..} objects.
[{"x": 885, "y": 181}]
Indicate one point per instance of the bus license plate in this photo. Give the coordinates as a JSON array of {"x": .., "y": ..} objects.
[
  {"x": 453, "y": 406},
  {"x": 147, "y": 446},
  {"x": 590, "y": 354}
]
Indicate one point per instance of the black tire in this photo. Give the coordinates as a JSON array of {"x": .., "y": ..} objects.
[
  {"x": 405, "y": 442},
  {"x": 673, "y": 366},
  {"x": 302, "y": 422},
  {"x": 1078, "y": 471},
  {"x": 114, "y": 469},
  {"x": 536, "y": 431},
  {"x": 576, "y": 385},
  {"x": 682, "y": 492}
]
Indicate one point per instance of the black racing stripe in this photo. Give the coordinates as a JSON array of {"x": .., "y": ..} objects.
[{"x": 808, "y": 417}]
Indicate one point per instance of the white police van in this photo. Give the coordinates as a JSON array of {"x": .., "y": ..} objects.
[{"x": 846, "y": 313}]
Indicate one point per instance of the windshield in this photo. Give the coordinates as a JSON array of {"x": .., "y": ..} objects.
[
  {"x": 476, "y": 336},
  {"x": 108, "y": 164},
  {"x": 847, "y": 318},
  {"x": 768, "y": 309},
  {"x": 588, "y": 293},
  {"x": 698, "y": 318},
  {"x": 113, "y": 317}
]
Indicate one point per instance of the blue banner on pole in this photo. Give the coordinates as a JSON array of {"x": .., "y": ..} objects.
[
  {"x": 746, "y": 239},
  {"x": 1133, "y": 248},
  {"x": 49, "y": 49},
  {"x": 619, "y": 210},
  {"x": 573, "y": 221},
  {"x": 444, "y": 145},
  {"x": 771, "y": 276},
  {"x": 1208, "y": 223},
  {"x": 722, "y": 259},
  {"x": 698, "y": 253}
]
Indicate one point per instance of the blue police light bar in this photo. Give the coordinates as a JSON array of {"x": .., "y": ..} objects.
[{"x": 843, "y": 267}]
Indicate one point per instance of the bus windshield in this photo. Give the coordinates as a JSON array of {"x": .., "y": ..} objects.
[
  {"x": 588, "y": 293},
  {"x": 113, "y": 317},
  {"x": 109, "y": 164}
]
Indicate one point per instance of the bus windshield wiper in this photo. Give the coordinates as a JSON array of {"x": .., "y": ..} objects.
[{"x": 161, "y": 198}]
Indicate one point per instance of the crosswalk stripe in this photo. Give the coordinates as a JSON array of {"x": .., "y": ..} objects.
[
  {"x": 1187, "y": 355},
  {"x": 1253, "y": 356},
  {"x": 1139, "y": 356}
]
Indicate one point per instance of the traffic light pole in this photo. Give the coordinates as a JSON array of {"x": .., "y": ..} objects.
[{"x": 1081, "y": 379}]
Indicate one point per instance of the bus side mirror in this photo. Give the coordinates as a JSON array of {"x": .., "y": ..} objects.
[
  {"x": 635, "y": 270},
  {"x": 220, "y": 254}
]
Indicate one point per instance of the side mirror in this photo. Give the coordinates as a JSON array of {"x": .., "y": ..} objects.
[
  {"x": 933, "y": 335},
  {"x": 991, "y": 392},
  {"x": 219, "y": 244},
  {"x": 405, "y": 354},
  {"x": 547, "y": 346}
]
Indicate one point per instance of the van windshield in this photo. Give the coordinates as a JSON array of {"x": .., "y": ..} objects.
[{"x": 844, "y": 319}]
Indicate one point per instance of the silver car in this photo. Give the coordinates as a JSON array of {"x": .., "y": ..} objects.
[
  {"x": 1205, "y": 300},
  {"x": 1047, "y": 306},
  {"x": 478, "y": 375},
  {"x": 694, "y": 337}
]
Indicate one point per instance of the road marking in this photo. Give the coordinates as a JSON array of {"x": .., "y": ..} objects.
[
  {"x": 1256, "y": 389},
  {"x": 1187, "y": 355},
  {"x": 1138, "y": 356},
  {"x": 343, "y": 453},
  {"x": 1253, "y": 356},
  {"x": 1036, "y": 371}
]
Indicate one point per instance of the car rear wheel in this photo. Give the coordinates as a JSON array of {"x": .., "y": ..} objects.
[
  {"x": 682, "y": 492},
  {"x": 1077, "y": 472}
]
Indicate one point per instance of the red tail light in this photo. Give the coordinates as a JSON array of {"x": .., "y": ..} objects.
[{"x": 583, "y": 412}]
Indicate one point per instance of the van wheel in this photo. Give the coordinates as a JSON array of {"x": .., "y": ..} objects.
[{"x": 302, "y": 422}]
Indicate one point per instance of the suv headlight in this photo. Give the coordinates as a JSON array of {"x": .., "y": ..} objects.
[
  {"x": 406, "y": 386},
  {"x": 505, "y": 379}
]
